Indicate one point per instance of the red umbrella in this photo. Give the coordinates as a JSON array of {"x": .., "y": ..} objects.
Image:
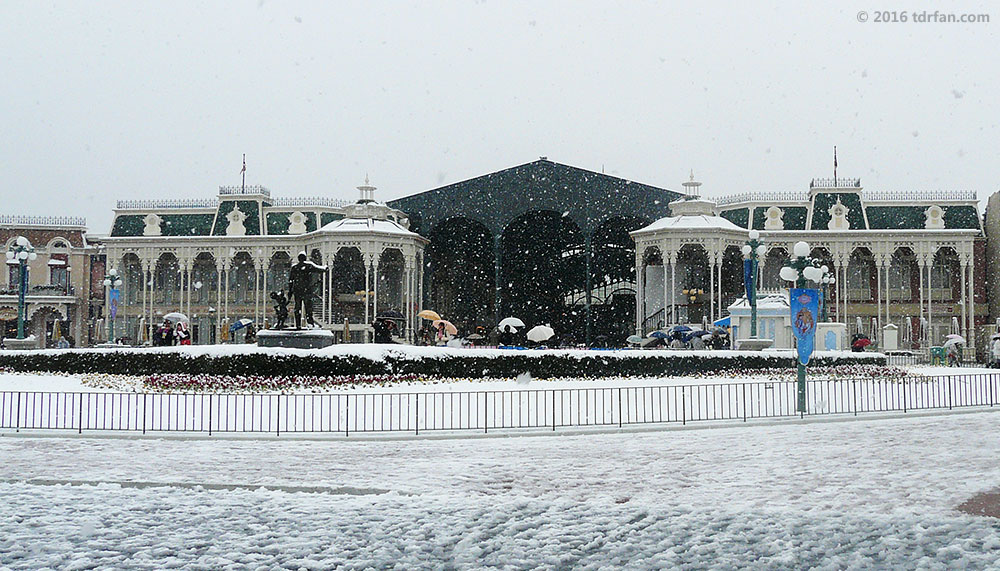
[{"x": 863, "y": 342}]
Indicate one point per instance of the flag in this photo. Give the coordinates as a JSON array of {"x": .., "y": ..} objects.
[{"x": 834, "y": 158}]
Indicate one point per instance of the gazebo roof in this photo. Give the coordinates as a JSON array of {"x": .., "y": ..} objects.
[
  {"x": 696, "y": 222},
  {"x": 363, "y": 225}
]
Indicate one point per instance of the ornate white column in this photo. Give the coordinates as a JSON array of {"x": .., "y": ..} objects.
[
  {"x": 375, "y": 261},
  {"x": 964, "y": 260},
  {"x": 640, "y": 293},
  {"x": 368, "y": 260},
  {"x": 972, "y": 302},
  {"x": 673, "y": 289},
  {"x": 920, "y": 274},
  {"x": 711, "y": 286}
]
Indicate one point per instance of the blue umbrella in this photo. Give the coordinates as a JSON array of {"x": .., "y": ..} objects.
[
  {"x": 679, "y": 329},
  {"x": 657, "y": 334},
  {"x": 240, "y": 324}
]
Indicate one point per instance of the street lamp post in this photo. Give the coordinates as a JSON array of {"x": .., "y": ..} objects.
[
  {"x": 800, "y": 268},
  {"x": 752, "y": 251},
  {"x": 112, "y": 281},
  {"x": 22, "y": 251}
]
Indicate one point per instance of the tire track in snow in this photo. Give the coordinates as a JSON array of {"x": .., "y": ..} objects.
[{"x": 331, "y": 490}]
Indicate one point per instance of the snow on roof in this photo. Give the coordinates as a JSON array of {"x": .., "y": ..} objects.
[
  {"x": 770, "y": 301},
  {"x": 697, "y": 222},
  {"x": 359, "y": 225}
]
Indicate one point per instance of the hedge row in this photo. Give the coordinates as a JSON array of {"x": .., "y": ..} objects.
[{"x": 445, "y": 365}]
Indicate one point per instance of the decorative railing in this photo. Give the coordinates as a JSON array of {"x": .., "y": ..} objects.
[
  {"x": 835, "y": 183},
  {"x": 15, "y": 219},
  {"x": 310, "y": 201},
  {"x": 921, "y": 195},
  {"x": 485, "y": 411},
  {"x": 779, "y": 196},
  {"x": 252, "y": 189},
  {"x": 179, "y": 203},
  {"x": 45, "y": 289}
]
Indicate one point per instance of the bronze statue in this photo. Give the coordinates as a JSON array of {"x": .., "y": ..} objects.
[
  {"x": 280, "y": 308},
  {"x": 300, "y": 287}
]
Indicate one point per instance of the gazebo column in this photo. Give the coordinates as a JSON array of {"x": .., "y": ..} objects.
[
  {"x": 711, "y": 286},
  {"x": 673, "y": 289},
  {"x": 367, "y": 261},
  {"x": 640, "y": 294},
  {"x": 496, "y": 277},
  {"x": 375, "y": 261},
  {"x": 407, "y": 301}
]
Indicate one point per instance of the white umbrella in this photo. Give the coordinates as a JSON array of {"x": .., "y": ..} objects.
[
  {"x": 540, "y": 333},
  {"x": 175, "y": 317},
  {"x": 513, "y": 322}
]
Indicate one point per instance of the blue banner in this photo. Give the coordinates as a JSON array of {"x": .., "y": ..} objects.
[
  {"x": 113, "y": 295},
  {"x": 748, "y": 276},
  {"x": 805, "y": 315}
]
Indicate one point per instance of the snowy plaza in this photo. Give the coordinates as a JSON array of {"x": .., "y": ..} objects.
[
  {"x": 464, "y": 285},
  {"x": 827, "y": 492}
]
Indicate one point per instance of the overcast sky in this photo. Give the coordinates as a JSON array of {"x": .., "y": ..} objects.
[{"x": 112, "y": 100}]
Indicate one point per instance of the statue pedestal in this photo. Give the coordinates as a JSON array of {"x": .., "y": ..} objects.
[
  {"x": 753, "y": 344},
  {"x": 295, "y": 338},
  {"x": 25, "y": 344}
]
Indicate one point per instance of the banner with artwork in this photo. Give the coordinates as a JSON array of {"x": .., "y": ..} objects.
[
  {"x": 805, "y": 315},
  {"x": 113, "y": 295}
]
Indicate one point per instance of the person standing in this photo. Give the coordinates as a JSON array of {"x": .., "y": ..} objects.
[{"x": 995, "y": 349}]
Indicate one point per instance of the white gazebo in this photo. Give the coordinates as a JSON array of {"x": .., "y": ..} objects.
[{"x": 678, "y": 262}]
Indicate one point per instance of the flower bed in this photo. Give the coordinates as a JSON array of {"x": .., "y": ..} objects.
[{"x": 383, "y": 360}]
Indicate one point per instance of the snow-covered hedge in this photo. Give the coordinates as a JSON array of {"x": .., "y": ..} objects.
[{"x": 404, "y": 360}]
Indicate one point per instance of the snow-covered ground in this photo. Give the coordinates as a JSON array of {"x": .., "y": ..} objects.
[{"x": 859, "y": 493}]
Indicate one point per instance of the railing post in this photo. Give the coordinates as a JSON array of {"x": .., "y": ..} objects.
[
  {"x": 744, "y": 402},
  {"x": 81, "y": 414},
  {"x": 553, "y": 410},
  {"x": 619, "y": 407},
  {"x": 209, "y": 414},
  {"x": 416, "y": 415},
  {"x": 854, "y": 399},
  {"x": 486, "y": 420},
  {"x": 17, "y": 415},
  {"x": 347, "y": 415},
  {"x": 144, "y": 396},
  {"x": 904, "y": 394},
  {"x": 683, "y": 406},
  {"x": 951, "y": 382},
  {"x": 278, "y": 417}
]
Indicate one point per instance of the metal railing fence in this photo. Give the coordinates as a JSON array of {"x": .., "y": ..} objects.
[{"x": 482, "y": 411}]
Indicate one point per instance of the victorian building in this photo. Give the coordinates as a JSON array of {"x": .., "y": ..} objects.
[
  {"x": 916, "y": 260},
  {"x": 64, "y": 295},
  {"x": 217, "y": 260}
]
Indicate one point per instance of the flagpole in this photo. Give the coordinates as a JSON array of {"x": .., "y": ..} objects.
[
  {"x": 244, "y": 173},
  {"x": 834, "y": 165}
]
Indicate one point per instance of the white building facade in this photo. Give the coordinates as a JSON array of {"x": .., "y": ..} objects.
[{"x": 912, "y": 259}]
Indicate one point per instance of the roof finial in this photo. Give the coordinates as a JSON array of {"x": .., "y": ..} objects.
[
  {"x": 691, "y": 186},
  {"x": 367, "y": 191}
]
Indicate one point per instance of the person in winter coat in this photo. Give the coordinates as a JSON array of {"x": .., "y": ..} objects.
[
  {"x": 181, "y": 333},
  {"x": 507, "y": 336},
  {"x": 995, "y": 349},
  {"x": 954, "y": 355},
  {"x": 382, "y": 334}
]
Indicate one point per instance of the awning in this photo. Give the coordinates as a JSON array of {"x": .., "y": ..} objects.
[
  {"x": 724, "y": 322},
  {"x": 55, "y": 262}
]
